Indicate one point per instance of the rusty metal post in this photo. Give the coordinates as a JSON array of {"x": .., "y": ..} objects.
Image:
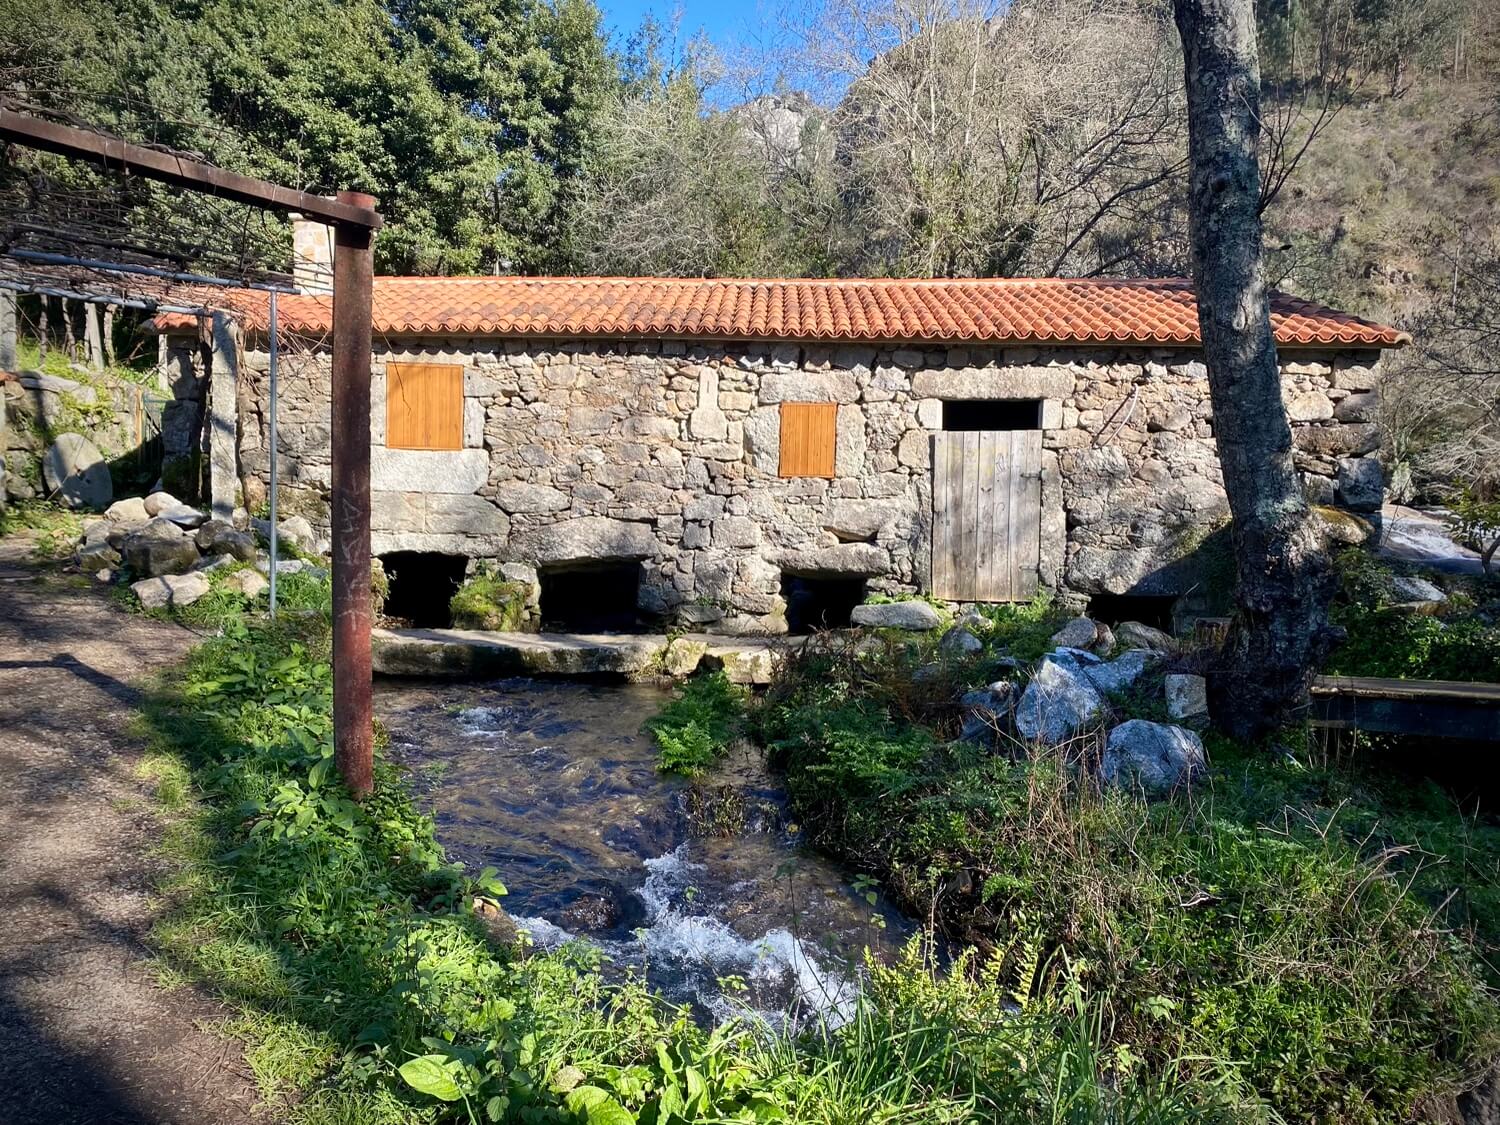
[{"x": 353, "y": 276}]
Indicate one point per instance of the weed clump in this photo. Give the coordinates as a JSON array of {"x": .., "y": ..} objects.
[
  {"x": 1385, "y": 640},
  {"x": 488, "y": 601},
  {"x": 695, "y": 729}
]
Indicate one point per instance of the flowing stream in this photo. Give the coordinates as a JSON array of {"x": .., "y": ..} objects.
[{"x": 555, "y": 784}]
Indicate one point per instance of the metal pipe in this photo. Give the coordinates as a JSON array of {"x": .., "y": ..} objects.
[
  {"x": 48, "y": 258},
  {"x": 274, "y": 327},
  {"x": 353, "y": 276},
  {"x": 103, "y": 299}
]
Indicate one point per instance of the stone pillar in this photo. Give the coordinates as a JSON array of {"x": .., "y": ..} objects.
[
  {"x": 4, "y": 437},
  {"x": 93, "y": 336},
  {"x": 223, "y": 479},
  {"x": 7, "y": 334}
]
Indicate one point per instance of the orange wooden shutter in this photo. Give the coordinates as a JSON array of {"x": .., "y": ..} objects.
[
  {"x": 424, "y": 406},
  {"x": 808, "y": 430}
]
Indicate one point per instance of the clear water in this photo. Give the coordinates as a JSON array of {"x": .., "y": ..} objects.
[{"x": 555, "y": 784}]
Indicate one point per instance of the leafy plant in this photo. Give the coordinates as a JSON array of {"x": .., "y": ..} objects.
[
  {"x": 695, "y": 729},
  {"x": 1385, "y": 641}
]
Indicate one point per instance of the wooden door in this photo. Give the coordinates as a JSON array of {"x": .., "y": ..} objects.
[{"x": 986, "y": 515}]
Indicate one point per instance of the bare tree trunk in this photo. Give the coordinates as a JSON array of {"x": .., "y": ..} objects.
[
  {"x": 109, "y": 335},
  {"x": 41, "y": 333},
  {"x": 1280, "y": 632}
]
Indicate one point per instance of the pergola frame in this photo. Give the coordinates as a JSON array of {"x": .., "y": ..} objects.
[{"x": 355, "y": 220}]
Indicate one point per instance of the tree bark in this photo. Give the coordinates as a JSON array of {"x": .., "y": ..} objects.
[{"x": 1280, "y": 632}]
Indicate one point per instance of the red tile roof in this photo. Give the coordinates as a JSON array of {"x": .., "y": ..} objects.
[{"x": 1058, "y": 310}]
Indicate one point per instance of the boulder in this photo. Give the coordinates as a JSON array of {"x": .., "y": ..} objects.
[
  {"x": 1079, "y": 657},
  {"x": 1057, "y": 702},
  {"x": 299, "y": 533},
  {"x": 218, "y": 537},
  {"x": 159, "y": 548},
  {"x": 175, "y": 590},
  {"x": 1361, "y": 484},
  {"x": 247, "y": 582},
  {"x": 210, "y": 563},
  {"x": 95, "y": 554},
  {"x": 1133, "y": 634},
  {"x": 1081, "y": 632},
  {"x": 1339, "y": 526},
  {"x": 76, "y": 472},
  {"x": 1120, "y": 673},
  {"x": 958, "y": 641},
  {"x": 115, "y": 534},
  {"x": 985, "y": 711},
  {"x": 915, "y": 615},
  {"x": 183, "y": 515},
  {"x": 1154, "y": 758},
  {"x": 1187, "y": 696},
  {"x": 975, "y": 622},
  {"x": 1417, "y": 595},
  {"x": 95, "y": 531},
  {"x": 132, "y": 509},
  {"x": 157, "y": 501},
  {"x": 682, "y": 656},
  {"x": 744, "y": 666}
]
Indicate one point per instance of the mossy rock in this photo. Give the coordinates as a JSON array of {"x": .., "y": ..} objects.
[
  {"x": 487, "y": 601},
  {"x": 1340, "y": 526}
]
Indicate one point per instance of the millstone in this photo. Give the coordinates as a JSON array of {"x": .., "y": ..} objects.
[{"x": 76, "y": 472}]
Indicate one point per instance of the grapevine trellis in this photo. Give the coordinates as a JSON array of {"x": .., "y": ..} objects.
[{"x": 87, "y": 216}]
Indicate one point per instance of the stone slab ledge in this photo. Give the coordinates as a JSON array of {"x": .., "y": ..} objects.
[{"x": 478, "y": 654}]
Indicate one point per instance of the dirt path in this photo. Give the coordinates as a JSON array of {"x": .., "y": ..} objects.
[{"x": 85, "y": 1034}]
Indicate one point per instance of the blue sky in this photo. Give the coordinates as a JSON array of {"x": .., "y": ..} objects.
[{"x": 721, "y": 19}]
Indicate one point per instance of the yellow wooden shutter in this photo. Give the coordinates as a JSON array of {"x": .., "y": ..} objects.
[
  {"x": 424, "y": 406},
  {"x": 808, "y": 431}
]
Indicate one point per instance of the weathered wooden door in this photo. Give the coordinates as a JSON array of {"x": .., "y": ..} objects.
[{"x": 986, "y": 515}]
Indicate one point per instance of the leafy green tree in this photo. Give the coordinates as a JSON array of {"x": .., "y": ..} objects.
[{"x": 466, "y": 120}]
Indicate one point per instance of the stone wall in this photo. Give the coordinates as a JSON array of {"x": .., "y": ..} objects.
[
  {"x": 35, "y": 407},
  {"x": 667, "y": 452}
]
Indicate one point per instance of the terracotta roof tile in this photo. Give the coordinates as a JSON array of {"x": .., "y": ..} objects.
[{"x": 1020, "y": 310}]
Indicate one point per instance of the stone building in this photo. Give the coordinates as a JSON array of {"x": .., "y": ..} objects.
[{"x": 749, "y": 456}]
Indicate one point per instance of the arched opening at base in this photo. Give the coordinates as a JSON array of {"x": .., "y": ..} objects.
[
  {"x": 598, "y": 597},
  {"x": 422, "y": 584},
  {"x": 816, "y": 602},
  {"x": 1149, "y": 609}
]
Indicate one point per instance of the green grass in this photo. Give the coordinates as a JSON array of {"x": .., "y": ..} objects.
[
  {"x": 1321, "y": 937},
  {"x": 28, "y": 358},
  {"x": 366, "y": 988},
  {"x": 56, "y": 527}
]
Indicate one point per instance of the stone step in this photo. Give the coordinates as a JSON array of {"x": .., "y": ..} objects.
[{"x": 477, "y": 654}]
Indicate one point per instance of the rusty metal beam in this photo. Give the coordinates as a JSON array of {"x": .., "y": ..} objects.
[
  {"x": 183, "y": 171},
  {"x": 353, "y": 278}
]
